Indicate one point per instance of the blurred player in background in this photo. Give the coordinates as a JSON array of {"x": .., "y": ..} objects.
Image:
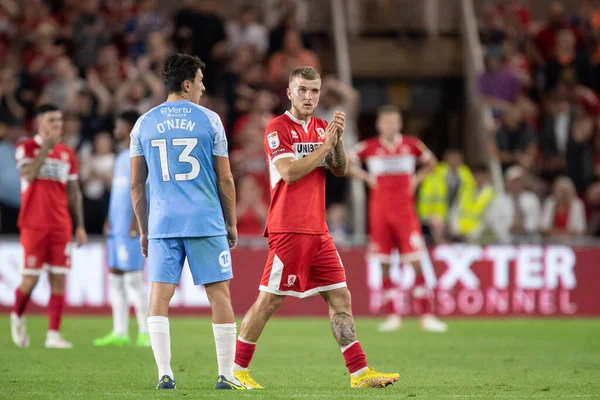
[
  {"x": 124, "y": 254},
  {"x": 391, "y": 159},
  {"x": 303, "y": 259},
  {"x": 182, "y": 147},
  {"x": 49, "y": 193}
]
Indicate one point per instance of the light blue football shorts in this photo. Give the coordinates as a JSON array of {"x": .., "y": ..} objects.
[
  {"x": 125, "y": 253},
  {"x": 209, "y": 259}
]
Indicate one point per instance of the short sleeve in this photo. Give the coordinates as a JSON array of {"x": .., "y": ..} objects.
[
  {"x": 278, "y": 142},
  {"x": 74, "y": 170},
  {"x": 220, "y": 139},
  {"x": 421, "y": 151},
  {"x": 360, "y": 150},
  {"x": 23, "y": 154},
  {"x": 135, "y": 146}
]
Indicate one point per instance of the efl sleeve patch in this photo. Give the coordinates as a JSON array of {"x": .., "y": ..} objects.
[{"x": 273, "y": 140}]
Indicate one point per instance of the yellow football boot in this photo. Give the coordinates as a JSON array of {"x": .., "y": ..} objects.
[
  {"x": 373, "y": 379},
  {"x": 246, "y": 380}
]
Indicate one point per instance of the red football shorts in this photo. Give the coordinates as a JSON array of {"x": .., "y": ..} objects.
[
  {"x": 302, "y": 265},
  {"x": 46, "y": 249},
  {"x": 400, "y": 230}
]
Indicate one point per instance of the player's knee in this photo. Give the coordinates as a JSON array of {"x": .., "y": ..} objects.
[
  {"x": 341, "y": 301},
  {"x": 28, "y": 283},
  {"x": 218, "y": 292},
  {"x": 57, "y": 283},
  {"x": 417, "y": 267},
  {"x": 160, "y": 296},
  {"x": 134, "y": 280},
  {"x": 385, "y": 269},
  {"x": 268, "y": 302}
]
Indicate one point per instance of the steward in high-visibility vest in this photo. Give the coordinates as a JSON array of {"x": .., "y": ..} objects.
[
  {"x": 472, "y": 208},
  {"x": 435, "y": 198}
]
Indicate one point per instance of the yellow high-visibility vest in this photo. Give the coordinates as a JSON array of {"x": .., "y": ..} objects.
[
  {"x": 433, "y": 194},
  {"x": 471, "y": 210}
]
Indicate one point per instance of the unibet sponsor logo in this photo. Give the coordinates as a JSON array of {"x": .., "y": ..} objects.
[
  {"x": 54, "y": 170},
  {"x": 301, "y": 150}
]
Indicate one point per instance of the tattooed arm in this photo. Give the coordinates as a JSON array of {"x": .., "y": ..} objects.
[
  {"x": 336, "y": 159},
  {"x": 76, "y": 210}
]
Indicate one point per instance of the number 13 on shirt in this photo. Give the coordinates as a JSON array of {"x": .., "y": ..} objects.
[{"x": 184, "y": 157}]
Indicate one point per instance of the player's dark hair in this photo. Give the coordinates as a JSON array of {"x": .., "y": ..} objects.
[
  {"x": 480, "y": 169},
  {"x": 388, "y": 109},
  {"x": 453, "y": 150},
  {"x": 179, "y": 68},
  {"x": 44, "y": 108},
  {"x": 129, "y": 116},
  {"x": 247, "y": 9},
  {"x": 308, "y": 73}
]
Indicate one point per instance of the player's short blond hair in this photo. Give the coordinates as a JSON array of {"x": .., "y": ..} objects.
[
  {"x": 308, "y": 73},
  {"x": 388, "y": 109}
]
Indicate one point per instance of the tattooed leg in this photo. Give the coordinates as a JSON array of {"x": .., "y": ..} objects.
[
  {"x": 340, "y": 314},
  {"x": 342, "y": 326}
]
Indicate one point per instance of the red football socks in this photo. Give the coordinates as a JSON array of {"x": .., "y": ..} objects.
[
  {"x": 355, "y": 357},
  {"x": 55, "y": 309},
  {"x": 244, "y": 352},
  {"x": 422, "y": 301},
  {"x": 21, "y": 301},
  {"x": 388, "y": 296}
]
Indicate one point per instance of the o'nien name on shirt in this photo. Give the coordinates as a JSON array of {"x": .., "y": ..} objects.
[{"x": 175, "y": 123}]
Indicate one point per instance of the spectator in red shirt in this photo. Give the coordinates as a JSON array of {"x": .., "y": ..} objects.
[
  {"x": 249, "y": 158},
  {"x": 514, "y": 11},
  {"x": 578, "y": 94},
  {"x": 545, "y": 40},
  {"x": 563, "y": 214},
  {"x": 565, "y": 58},
  {"x": 251, "y": 207},
  {"x": 109, "y": 67},
  {"x": 293, "y": 55},
  {"x": 262, "y": 103}
]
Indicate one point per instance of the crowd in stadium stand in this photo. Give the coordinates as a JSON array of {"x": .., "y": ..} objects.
[
  {"x": 541, "y": 82},
  {"x": 95, "y": 59}
]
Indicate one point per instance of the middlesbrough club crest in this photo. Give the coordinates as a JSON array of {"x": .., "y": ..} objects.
[
  {"x": 321, "y": 133},
  {"x": 273, "y": 140},
  {"x": 291, "y": 280}
]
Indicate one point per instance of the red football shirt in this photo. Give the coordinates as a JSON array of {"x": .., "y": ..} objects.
[
  {"x": 44, "y": 202},
  {"x": 394, "y": 167},
  {"x": 297, "y": 208}
]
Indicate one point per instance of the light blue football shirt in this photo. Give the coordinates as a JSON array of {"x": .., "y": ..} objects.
[
  {"x": 120, "y": 210},
  {"x": 178, "y": 140}
]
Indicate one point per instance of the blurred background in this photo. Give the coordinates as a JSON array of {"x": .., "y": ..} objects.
[{"x": 504, "y": 92}]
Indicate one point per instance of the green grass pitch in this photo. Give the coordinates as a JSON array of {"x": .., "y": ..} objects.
[{"x": 298, "y": 359}]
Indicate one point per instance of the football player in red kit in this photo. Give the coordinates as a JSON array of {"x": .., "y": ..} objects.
[
  {"x": 49, "y": 194},
  {"x": 391, "y": 159},
  {"x": 303, "y": 260}
]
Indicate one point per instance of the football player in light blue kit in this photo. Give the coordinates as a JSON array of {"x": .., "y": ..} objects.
[
  {"x": 181, "y": 148},
  {"x": 123, "y": 244}
]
